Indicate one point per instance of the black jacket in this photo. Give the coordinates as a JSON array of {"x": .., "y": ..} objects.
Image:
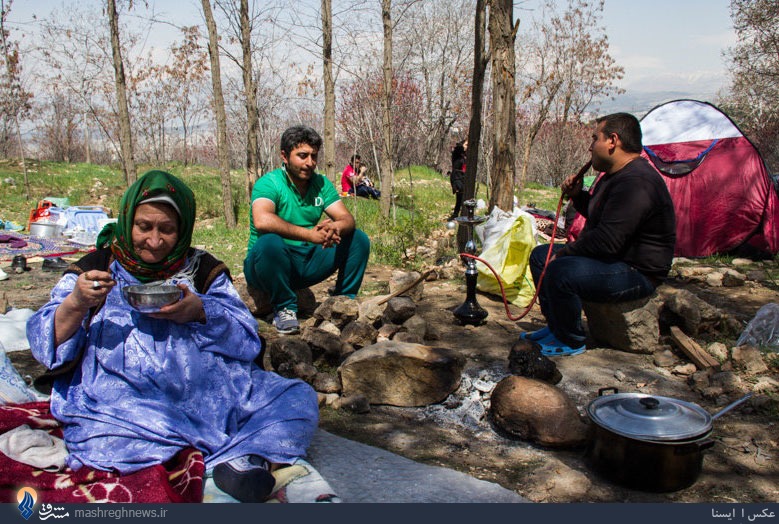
[{"x": 630, "y": 218}]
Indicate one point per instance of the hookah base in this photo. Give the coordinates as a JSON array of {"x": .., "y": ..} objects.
[{"x": 470, "y": 313}]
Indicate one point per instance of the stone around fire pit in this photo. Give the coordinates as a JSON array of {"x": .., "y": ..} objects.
[
  {"x": 535, "y": 411},
  {"x": 526, "y": 360},
  {"x": 401, "y": 374}
]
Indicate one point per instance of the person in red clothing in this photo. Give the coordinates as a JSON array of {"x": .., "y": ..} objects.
[{"x": 354, "y": 181}]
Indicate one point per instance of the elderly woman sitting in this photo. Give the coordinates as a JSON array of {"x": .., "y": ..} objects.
[{"x": 143, "y": 386}]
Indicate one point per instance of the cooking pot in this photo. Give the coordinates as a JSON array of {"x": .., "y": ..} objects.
[
  {"x": 649, "y": 442},
  {"x": 45, "y": 230}
]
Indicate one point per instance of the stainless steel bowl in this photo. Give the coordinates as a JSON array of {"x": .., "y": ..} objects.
[{"x": 150, "y": 298}]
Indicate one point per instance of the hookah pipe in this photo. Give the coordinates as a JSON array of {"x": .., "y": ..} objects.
[{"x": 579, "y": 175}]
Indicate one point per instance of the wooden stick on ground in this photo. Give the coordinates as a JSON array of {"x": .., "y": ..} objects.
[
  {"x": 691, "y": 348},
  {"x": 410, "y": 286}
]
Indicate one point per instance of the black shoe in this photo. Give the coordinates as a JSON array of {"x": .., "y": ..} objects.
[
  {"x": 19, "y": 264},
  {"x": 54, "y": 264},
  {"x": 246, "y": 478}
]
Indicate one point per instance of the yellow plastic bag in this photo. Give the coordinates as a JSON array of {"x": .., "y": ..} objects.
[{"x": 508, "y": 255}]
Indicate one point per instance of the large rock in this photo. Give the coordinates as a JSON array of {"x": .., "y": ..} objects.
[
  {"x": 538, "y": 412},
  {"x": 401, "y": 374},
  {"x": 629, "y": 326}
]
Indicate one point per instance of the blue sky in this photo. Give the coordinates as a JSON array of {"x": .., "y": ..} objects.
[
  {"x": 663, "y": 45},
  {"x": 670, "y": 44}
]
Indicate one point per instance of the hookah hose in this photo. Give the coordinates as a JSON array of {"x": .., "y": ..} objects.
[{"x": 586, "y": 167}]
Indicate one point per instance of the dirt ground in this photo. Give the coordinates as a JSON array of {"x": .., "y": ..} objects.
[{"x": 742, "y": 466}]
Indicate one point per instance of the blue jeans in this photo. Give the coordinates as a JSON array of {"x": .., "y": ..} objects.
[
  {"x": 278, "y": 268},
  {"x": 368, "y": 192},
  {"x": 569, "y": 280}
]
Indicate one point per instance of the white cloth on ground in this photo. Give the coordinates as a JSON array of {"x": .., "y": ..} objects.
[
  {"x": 34, "y": 447},
  {"x": 13, "y": 329}
]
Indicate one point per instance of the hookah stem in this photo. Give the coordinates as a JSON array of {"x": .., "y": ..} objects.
[{"x": 586, "y": 167}]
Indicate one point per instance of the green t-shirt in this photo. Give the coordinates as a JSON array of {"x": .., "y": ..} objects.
[{"x": 304, "y": 211}]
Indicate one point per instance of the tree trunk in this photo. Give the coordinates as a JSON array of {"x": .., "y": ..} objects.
[
  {"x": 125, "y": 129},
  {"x": 502, "y": 35},
  {"x": 221, "y": 117},
  {"x": 252, "y": 118},
  {"x": 386, "y": 112},
  {"x": 87, "y": 139},
  {"x": 327, "y": 64},
  {"x": 14, "y": 103},
  {"x": 474, "y": 127}
]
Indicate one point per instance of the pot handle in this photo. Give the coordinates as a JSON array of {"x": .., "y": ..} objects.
[
  {"x": 706, "y": 444},
  {"x": 601, "y": 391},
  {"x": 731, "y": 406},
  {"x": 696, "y": 448}
]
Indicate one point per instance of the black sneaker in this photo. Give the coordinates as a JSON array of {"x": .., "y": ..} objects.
[
  {"x": 246, "y": 478},
  {"x": 54, "y": 264}
]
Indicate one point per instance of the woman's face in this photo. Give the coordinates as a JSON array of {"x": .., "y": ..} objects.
[{"x": 155, "y": 231}]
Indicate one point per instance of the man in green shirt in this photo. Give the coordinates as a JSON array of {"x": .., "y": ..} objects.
[{"x": 289, "y": 248}]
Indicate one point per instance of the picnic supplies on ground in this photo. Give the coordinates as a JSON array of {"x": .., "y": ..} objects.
[
  {"x": 35, "y": 247},
  {"x": 507, "y": 240}
]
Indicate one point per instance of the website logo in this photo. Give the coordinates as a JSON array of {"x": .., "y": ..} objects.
[{"x": 26, "y": 497}]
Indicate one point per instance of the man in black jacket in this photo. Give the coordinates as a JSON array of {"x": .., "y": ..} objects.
[{"x": 627, "y": 244}]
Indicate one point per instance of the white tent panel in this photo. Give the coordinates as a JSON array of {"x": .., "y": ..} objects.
[{"x": 686, "y": 121}]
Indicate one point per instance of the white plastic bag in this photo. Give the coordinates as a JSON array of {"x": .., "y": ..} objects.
[
  {"x": 763, "y": 330},
  {"x": 497, "y": 223}
]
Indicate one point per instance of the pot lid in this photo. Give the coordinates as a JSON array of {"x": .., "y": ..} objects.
[{"x": 649, "y": 417}]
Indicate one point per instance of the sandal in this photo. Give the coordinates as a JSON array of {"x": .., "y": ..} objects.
[
  {"x": 535, "y": 335},
  {"x": 551, "y": 347}
]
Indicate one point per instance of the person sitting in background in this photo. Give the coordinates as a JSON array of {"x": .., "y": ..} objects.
[
  {"x": 136, "y": 388},
  {"x": 289, "y": 248},
  {"x": 354, "y": 180}
]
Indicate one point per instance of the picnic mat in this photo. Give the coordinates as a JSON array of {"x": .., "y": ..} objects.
[
  {"x": 36, "y": 247},
  {"x": 178, "y": 480}
]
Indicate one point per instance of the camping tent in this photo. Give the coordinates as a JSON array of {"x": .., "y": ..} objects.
[{"x": 723, "y": 196}]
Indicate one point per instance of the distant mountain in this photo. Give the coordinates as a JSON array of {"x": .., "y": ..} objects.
[{"x": 641, "y": 102}]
